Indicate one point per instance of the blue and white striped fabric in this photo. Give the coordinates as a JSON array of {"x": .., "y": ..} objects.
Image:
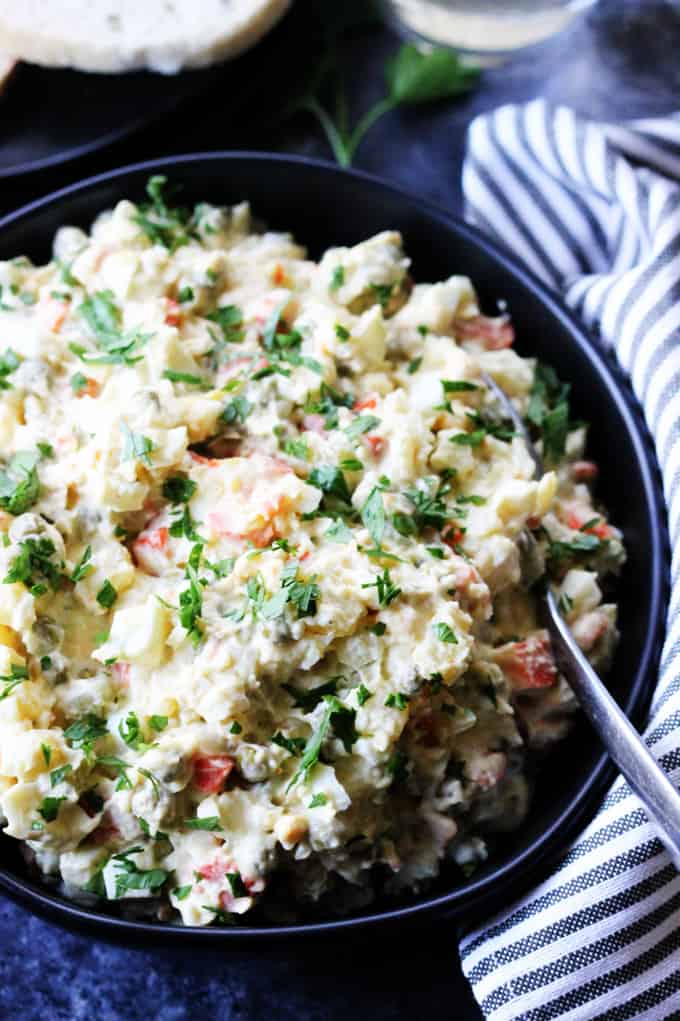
[{"x": 594, "y": 210}]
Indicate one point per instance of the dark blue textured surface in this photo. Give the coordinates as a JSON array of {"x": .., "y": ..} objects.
[{"x": 621, "y": 62}]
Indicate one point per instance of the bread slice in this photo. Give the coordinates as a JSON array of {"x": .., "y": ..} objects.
[
  {"x": 7, "y": 68},
  {"x": 128, "y": 35}
]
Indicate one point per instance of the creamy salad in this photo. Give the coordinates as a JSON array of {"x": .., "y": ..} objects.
[{"x": 266, "y": 611}]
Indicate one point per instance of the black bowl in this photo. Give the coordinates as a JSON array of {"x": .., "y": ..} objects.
[{"x": 326, "y": 206}]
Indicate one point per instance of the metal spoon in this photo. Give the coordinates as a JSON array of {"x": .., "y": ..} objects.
[{"x": 625, "y": 746}]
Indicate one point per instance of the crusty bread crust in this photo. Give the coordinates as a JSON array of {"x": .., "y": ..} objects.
[{"x": 111, "y": 36}]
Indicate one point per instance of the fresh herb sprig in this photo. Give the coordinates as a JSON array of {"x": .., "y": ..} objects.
[{"x": 412, "y": 77}]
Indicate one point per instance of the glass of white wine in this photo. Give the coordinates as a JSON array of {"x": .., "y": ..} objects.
[{"x": 491, "y": 31}]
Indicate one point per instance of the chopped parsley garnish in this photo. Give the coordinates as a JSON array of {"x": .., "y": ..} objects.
[
  {"x": 47, "y": 753},
  {"x": 238, "y": 887},
  {"x": 378, "y": 629},
  {"x": 383, "y": 293},
  {"x": 436, "y": 551},
  {"x": 472, "y": 439},
  {"x": 183, "y": 377},
  {"x": 490, "y": 426},
  {"x": 341, "y": 332},
  {"x": 548, "y": 411},
  {"x": 363, "y": 694},
  {"x": 211, "y": 823},
  {"x": 85, "y": 732},
  {"x": 79, "y": 382},
  {"x": 326, "y": 402},
  {"x": 178, "y": 489},
  {"x": 105, "y": 320},
  {"x": 387, "y": 590},
  {"x": 430, "y": 510},
  {"x": 182, "y": 892},
  {"x": 301, "y": 594},
  {"x": 107, "y": 595},
  {"x": 19, "y": 483},
  {"x": 351, "y": 464},
  {"x": 49, "y": 809},
  {"x": 229, "y": 318},
  {"x": 580, "y": 544},
  {"x": 120, "y": 767},
  {"x": 360, "y": 425},
  {"x": 16, "y": 675},
  {"x": 185, "y": 294},
  {"x": 131, "y": 731},
  {"x": 337, "y": 717},
  {"x": 294, "y": 745},
  {"x": 456, "y": 386},
  {"x": 318, "y": 801},
  {"x": 135, "y": 446},
  {"x": 308, "y": 699},
  {"x": 373, "y": 516},
  {"x": 9, "y": 361},
  {"x": 237, "y": 410},
  {"x": 130, "y": 877},
  {"x": 413, "y": 366},
  {"x": 338, "y": 532},
  {"x": 83, "y": 567},
  {"x": 397, "y": 700},
  {"x": 236, "y": 728},
  {"x": 34, "y": 561},
  {"x": 57, "y": 775},
  {"x": 296, "y": 448},
  {"x": 158, "y": 723},
  {"x": 444, "y": 632},
  {"x": 162, "y": 224},
  {"x": 331, "y": 482},
  {"x": 191, "y": 605},
  {"x": 337, "y": 278}
]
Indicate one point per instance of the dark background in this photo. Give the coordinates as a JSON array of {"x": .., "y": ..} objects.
[{"x": 618, "y": 62}]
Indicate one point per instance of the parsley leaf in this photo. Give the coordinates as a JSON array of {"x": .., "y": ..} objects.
[
  {"x": 229, "y": 318},
  {"x": 337, "y": 278},
  {"x": 178, "y": 489},
  {"x": 9, "y": 361},
  {"x": 83, "y": 567},
  {"x": 191, "y": 606},
  {"x": 397, "y": 700},
  {"x": 49, "y": 809},
  {"x": 387, "y": 590},
  {"x": 135, "y": 446},
  {"x": 104, "y": 320},
  {"x": 16, "y": 675},
  {"x": 337, "y": 717},
  {"x": 445, "y": 633},
  {"x": 360, "y": 425},
  {"x": 131, "y": 877},
  {"x": 57, "y": 775},
  {"x": 330, "y": 481},
  {"x": 309, "y": 698},
  {"x": 211, "y": 823},
  {"x": 373, "y": 516},
  {"x": 107, "y": 595},
  {"x": 163, "y": 225},
  {"x": 19, "y": 483},
  {"x": 34, "y": 559},
  {"x": 237, "y": 410},
  {"x": 84, "y": 733}
]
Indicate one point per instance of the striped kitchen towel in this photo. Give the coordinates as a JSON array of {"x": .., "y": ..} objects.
[{"x": 594, "y": 210}]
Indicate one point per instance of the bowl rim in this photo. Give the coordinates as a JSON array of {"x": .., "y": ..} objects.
[{"x": 582, "y": 804}]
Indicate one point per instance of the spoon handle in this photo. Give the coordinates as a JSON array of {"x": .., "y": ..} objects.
[{"x": 625, "y": 746}]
